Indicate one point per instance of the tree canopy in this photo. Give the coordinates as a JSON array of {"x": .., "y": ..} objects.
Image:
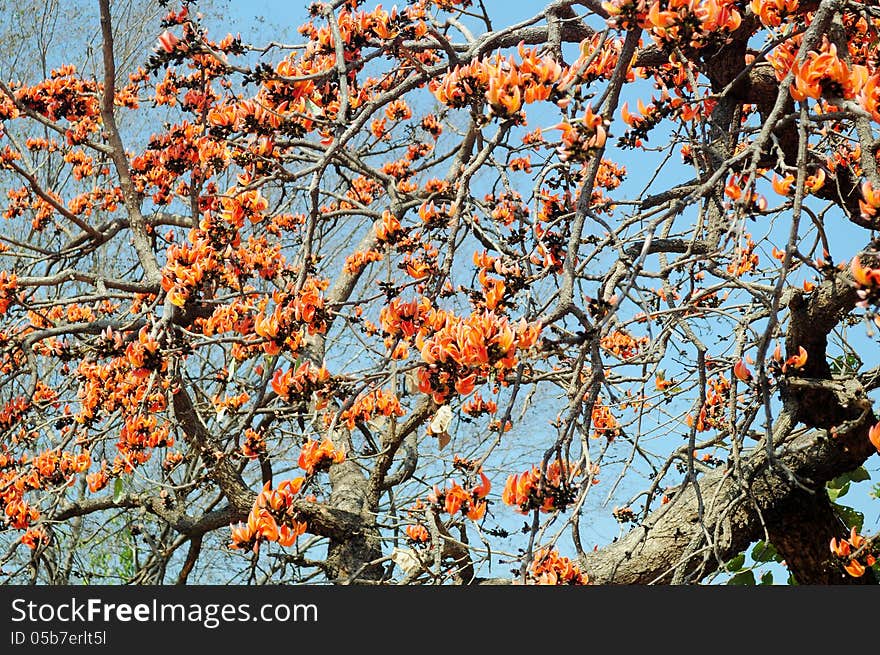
[{"x": 430, "y": 296}]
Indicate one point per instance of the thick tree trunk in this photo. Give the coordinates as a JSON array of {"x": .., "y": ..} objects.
[
  {"x": 799, "y": 528},
  {"x": 350, "y": 560}
]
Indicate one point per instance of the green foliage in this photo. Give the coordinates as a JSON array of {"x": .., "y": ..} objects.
[
  {"x": 839, "y": 487},
  {"x": 852, "y": 517},
  {"x": 846, "y": 365},
  {"x": 736, "y": 563},
  {"x": 762, "y": 553},
  {"x": 746, "y": 577}
]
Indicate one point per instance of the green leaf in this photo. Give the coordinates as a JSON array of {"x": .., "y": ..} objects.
[
  {"x": 767, "y": 578},
  {"x": 853, "y": 518},
  {"x": 859, "y": 475},
  {"x": 736, "y": 563},
  {"x": 838, "y": 492},
  {"x": 845, "y": 364},
  {"x": 765, "y": 552},
  {"x": 118, "y": 491},
  {"x": 837, "y": 482},
  {"x": 841, "y": 481},
  {"x": 743, "y": 578}
]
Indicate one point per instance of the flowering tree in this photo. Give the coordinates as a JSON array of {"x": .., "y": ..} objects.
[{"x": 403, "y": 303}]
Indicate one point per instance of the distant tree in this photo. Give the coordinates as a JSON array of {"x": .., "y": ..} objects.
[{"x": 411, "y": 300}]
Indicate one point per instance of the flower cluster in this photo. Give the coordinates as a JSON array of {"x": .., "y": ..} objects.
[
  {"x": 476, "y": 406},
  {"x": 825, "y": 74},
  {"x": 550, "y": 568},
  {"x": 712, "y": 412},
  {"x": 7, "y": 290},
  {"x": 504, "y": 83},
  {"x": 772, "y": 12},
  {"x": 56, "y": 467},
  {"x": 65, "y": 96},
  {"x": 187, "y": 268},
  {"x": 456, "y": 499},
  {"x": 846, "y": 550},
  {"x": 671, "y": 22},
  {"x": 282, "y": 328},
  {"x": 272, "y": 518},
  {"x": 548, "y": 492},
  {"x": 867, "y": 280},
  {"x": 365, "y": 407},
  {"x": 869, "y": 204},
  {"x": 460, "y": 352},
  {"x": 139, "y": 435},
  {"x": 622, "y": 344},
  {"x": 296, "y": 385},
  {"x": 319, "y": 456},
  {"x": 584, "y": 138},
  {"x": 603, "y": 422}
]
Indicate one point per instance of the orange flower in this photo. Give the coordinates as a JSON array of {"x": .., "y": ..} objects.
[
  {"x": 855, "y": 568},
  {"x": 388, "y": 227},
  {"x": 456, "y": 499},
  {"x": 841, "y": 549},
  {"x": 418, "y": 269},
  {"x": 874, "y": 436},
  {"x": 365, "y": 407},
  {"x": 494, "y": 291},
  {"x": 504, "y": 95},
  {"x": 771, "y": 12},
  {"x": 662, "y": 384},
  {"x": 627, "y": 117},
  {"x": 816, "y": 181},
  {"x": 797, "y": 361},
  {"x": 168, "y": 41},
  {"x": 482, "y": 489},
  {"x": 783, "y": 186},
  {"x": 315, "y": 457},
  {"x": 34, "y": 536},
  {"x": 869, "y": 203},
  {"x": 418, "y": 533},
  {"x": 825, "y": 73},
  {"x": 732, "y": 190},
  {"x": 603, "y": 422},
  {"x": 98, "y": 480},
  {"x": 288, "y": 534},
  {"x": 477, "y": 511},
  {"x": 549, "y": 568},
  {"x": 622, "y": 344},
  {"x": 477, "y": 406},
  {"x": 847, "y": 547},
  {"x": 742, "y": 372},
  {"x": 527, "y": 491},
  {"x": 870, "y": 97},
  {"x": 300, "y": 384},
  {"x": 465, "y": 386},
  {"x": 398, "y": 110},
  {"x": 246, "y": 535}
]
